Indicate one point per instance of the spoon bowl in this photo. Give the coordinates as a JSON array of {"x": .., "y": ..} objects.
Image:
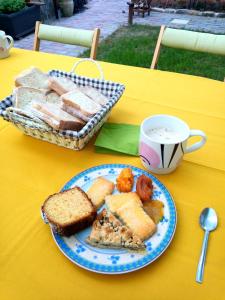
[{"x": 208, "y": 219}]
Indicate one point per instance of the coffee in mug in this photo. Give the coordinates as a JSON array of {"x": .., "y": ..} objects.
[{"x": 163, "y": 142}]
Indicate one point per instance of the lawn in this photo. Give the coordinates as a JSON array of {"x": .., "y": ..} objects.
[{"x": 134, "y": 45}]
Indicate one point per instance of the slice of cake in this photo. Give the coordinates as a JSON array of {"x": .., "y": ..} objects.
[
  {"x": 99, "y": 190},
  {"x": 69, "y": 211},
  {"x": 108, "y": 231}
]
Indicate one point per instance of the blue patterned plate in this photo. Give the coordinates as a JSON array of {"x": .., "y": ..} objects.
[{"x": 111, "y": 261}]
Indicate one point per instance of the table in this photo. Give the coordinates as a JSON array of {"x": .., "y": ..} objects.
[{"x": 32, "y": 267}]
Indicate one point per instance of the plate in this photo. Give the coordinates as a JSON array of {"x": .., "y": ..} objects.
[{"x": 113, "y": 261}]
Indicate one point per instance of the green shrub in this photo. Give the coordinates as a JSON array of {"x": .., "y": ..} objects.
[{"x": 10, "y": 6}]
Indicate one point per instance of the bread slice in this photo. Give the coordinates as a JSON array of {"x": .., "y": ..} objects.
[
  {"x": 69, "y": 211},
  {"x": 137, "y": 220},
  {"x": 61, "y": 85},
  {"x": 24, "y": 96},
  {"x": 75, "y": 112},
  {"x": 55, "y": 117},
  {"x": 114, "y": 202},
  {"x": 108, "y": 231},
  {"x": 34, "y": 78},
  {"x": 53, "y": 97},
  {"x": 94, "y": 94},
  {"x": 80, "y": 101},
  {"x": 99, "y": 190}
]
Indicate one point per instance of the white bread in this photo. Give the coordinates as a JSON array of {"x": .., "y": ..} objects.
[
  {"x": 55, "y": 117},
  {"x": 61, "y": 85},
  {"x": 34, "y": 78},
  {"x": 75, "y": 112},
  {"x": 94, "y": 94},
  {"x": 99, "y": 190},
  {"x": 53, "y": 97},
  {"x": 80, "y": 101},
  {"x": 25, "y": 95}
]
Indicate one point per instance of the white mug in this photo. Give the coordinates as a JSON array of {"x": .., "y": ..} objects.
[
  {"x": 163, "y": 142},
  {"x": 6, "y": 43}
]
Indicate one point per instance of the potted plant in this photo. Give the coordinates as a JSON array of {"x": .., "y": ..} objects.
[
  {"x": 17, "y": 19},
  {"x": 66, "y": 7}
]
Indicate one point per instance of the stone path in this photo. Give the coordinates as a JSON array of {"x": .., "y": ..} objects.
[{"x": 109, "y": 15}]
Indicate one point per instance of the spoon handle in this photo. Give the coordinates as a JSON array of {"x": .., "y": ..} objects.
[{"x": 201, "y": 263}]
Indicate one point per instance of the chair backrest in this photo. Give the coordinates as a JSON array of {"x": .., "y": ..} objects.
[
  {"x": 72, "y": 36},
  {"x": 195, "y": 41},
  {"x": 188, "y": 40}
]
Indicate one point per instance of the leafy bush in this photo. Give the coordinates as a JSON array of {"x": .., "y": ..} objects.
[{"x": 10, "y": 6}]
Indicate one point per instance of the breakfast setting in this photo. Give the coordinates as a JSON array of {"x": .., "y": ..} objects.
[{"x": 112, "y": 179}]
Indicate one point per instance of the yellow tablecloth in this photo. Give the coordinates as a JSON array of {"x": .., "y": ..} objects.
[{"x": 32, "y": 267}]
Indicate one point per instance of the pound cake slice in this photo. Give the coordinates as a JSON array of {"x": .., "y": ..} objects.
[
  {"x": 108, "y": 231},
  {"x": 69, "y": 211},
  {"x": 99, "y": 190}
]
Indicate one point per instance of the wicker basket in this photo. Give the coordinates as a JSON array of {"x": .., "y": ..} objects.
[{"x": 66, "y": 138}]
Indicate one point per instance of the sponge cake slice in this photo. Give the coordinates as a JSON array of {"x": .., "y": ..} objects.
[{"x": 69, "y": 211}]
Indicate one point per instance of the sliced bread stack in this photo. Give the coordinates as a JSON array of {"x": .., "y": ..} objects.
[{"x": 58, "y": 101}]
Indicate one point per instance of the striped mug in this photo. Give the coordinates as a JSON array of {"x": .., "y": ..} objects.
[{"x": 163, "y": 142}]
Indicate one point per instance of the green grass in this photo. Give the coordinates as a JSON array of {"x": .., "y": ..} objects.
[{"x": 134, "y": 46}]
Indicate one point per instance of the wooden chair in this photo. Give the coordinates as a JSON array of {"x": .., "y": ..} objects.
[
  {"x": 188, "y": 40},
  {"x": 142, "y": 6},
  {"x": 71, "y": 36}
]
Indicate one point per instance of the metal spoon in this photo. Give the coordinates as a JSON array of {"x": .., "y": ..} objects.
[{"x": 208, "y": 221}]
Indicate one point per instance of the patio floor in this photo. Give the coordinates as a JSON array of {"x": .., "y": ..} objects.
[{"x": 108, "y": 17}]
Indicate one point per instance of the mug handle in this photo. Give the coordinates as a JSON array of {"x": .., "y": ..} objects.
[
  {"x": 196, "y": 146},
  {"x": 11, "y": 41}
]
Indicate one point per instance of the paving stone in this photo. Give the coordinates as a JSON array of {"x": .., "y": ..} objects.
[
  {"x": 208, "y": 13},
  {"x": 179, "y": 21},
  {"x": 171, "y": 10}
]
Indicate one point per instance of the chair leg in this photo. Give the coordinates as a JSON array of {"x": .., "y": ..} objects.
[
  {"x": 157, "y": 48},
  {"x": 36, "y": 39},
  {"x": 95, "y": 42},
  {"x": 130, "y": 13}
]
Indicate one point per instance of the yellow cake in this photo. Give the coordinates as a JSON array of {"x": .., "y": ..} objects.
[{"x": 69, "y": 211}]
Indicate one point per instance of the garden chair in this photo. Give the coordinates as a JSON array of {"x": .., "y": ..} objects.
[
  {"x": 139, "y": 6},
  {"x": 79, "y": 37},
  {"x": 188, "y": 40},
  {"x": 142, "y": 6}
]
